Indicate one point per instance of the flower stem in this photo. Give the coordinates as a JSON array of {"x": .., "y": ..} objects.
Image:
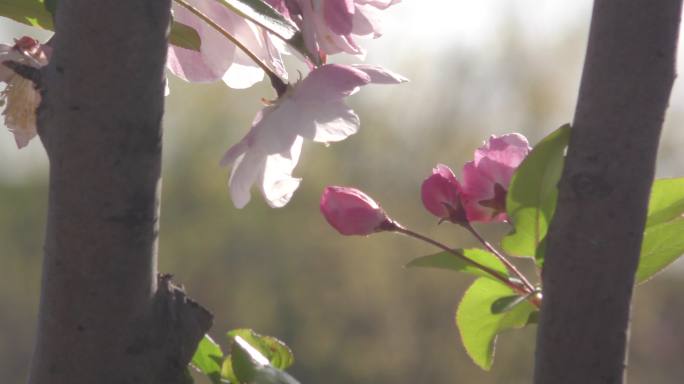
[
  {"x": 275, "y": 79},
  {"x": 510, "y": 266},
  {"x": 497, "y": 275}
]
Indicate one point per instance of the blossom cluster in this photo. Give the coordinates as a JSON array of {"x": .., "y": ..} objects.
[
  {"x": 481, "y": 196},
  {"x": 312, "y": 108},
  {"x": 240, "y": 53}
]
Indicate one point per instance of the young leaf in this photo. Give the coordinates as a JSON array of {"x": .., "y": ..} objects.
[
  {"x": 507, "y": 303},
  {"x": 30, "y": 12},
  {"x": 276, "y": 352},
  {"x": 532, "y": 194},
  {"x": 446, "y": 260},
  {"x": 184, "y": 36},
  {"x": 271, "y": 375},
  {"x": 245, "y": 359},
  {"x": 477, "y": 324},
  {"x": 208, "y": 359},
  {"x": 51, "y": 6},
  {"x": 227, "y": 372},
  {"x": 666, "y": 202},
  {"x": 249, "y": 365},
  {"x": 533, "y": 319},
  {"x": 261, "y": 13},
  {"x": 662, "y": 245}
]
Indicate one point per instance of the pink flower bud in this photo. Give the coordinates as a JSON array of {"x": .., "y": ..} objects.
[
  {"x": 352, "y": 212},
  {"x": 441, "y": 194}
]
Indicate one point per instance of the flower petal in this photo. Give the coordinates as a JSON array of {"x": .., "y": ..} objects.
[
  {"x": 367, "y": 21},
  {"x": 244, "y": 72},
  {"x": 278, "y": 128},
  {"x": 380, "y": 75},
  {"x": 380, "y": 4},
  {"x": 476, "y": 187},
  {"x": 277, "y": 183},
  {"x": 216, "y": 52},
  {"x": 218, "y": 57},
  {"x": 8, "y": 53},
  {"x": 509, "y": 149},
  {"x": 240, "y": 76},
  {"x": 188, "y": 65},
  {"x": 333, "y": 121},
  {"x": 234, "y": 152},
  {"x": 339, "y": 15},
  {"x": 313, "y": 109},
  {"x": 319, "y": 36},
  {"x": 500, "y": 156},
  {"x": 245, "y": 172},
  {"x": 330, "y": 82}
]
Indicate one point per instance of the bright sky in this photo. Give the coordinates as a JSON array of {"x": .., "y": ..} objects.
[{"x": 438, "y": 22}]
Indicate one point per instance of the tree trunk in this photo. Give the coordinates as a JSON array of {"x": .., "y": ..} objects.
[
  {"x": 595, "y": 237},
  {"x": 104, "y": 318}
]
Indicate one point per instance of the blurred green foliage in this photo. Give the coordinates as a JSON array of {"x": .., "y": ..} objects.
[{"x": 346, "y": 306}]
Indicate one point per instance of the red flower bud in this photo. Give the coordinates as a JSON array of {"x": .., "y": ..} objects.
[
  {"x": 441, "y": 194},
  {"x": 352, "y": 212}
]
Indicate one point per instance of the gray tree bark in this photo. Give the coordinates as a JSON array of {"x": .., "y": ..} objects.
[
  {"x": 105, "y": 317},
  {"x": 595, "y": 237}
]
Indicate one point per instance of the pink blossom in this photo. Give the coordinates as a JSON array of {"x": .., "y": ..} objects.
[
  {"x": 352, "y": 212},
  {"x": 330, "y": 26},
  {"x": 487, "y": 177},
  {"x": 441, "y": 195},
  {"x": 218, "y": 57},
  {"x": 20, "y": 98},
  {"x": 313, "y": 109}
]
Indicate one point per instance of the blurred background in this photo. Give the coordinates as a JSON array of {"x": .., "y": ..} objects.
[{"x": 346, "y": 306}]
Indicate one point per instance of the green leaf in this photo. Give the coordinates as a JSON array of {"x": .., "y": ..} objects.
[
  {"x": 30, "y": 12},
  {"x": 666, "y": 202},
  {"x": 261, "y": 13},
  {"x": 446, "y": 260},
  {"x": 507, "y": 303},
  {"x": 249, "y": 365},
  {"x": 245, "y": 359},
  {"x": 477, "y": 324},
  {"x": 277, "y": 353},
  {"x": 662, "y": 245},
  {"x": 227, "y": 372},
  {"x": 184, "y": 36},
  {"x": 271, "y": 375},
  {"x": 51, "y": 6},
  {"x": 532, "y": 194},
  {"x": 208, "y": 359}
]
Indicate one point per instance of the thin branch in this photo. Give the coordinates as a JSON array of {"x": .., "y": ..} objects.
[
  {"x": 499, "y": 255},
  {"x": 522, "y": 290}
]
